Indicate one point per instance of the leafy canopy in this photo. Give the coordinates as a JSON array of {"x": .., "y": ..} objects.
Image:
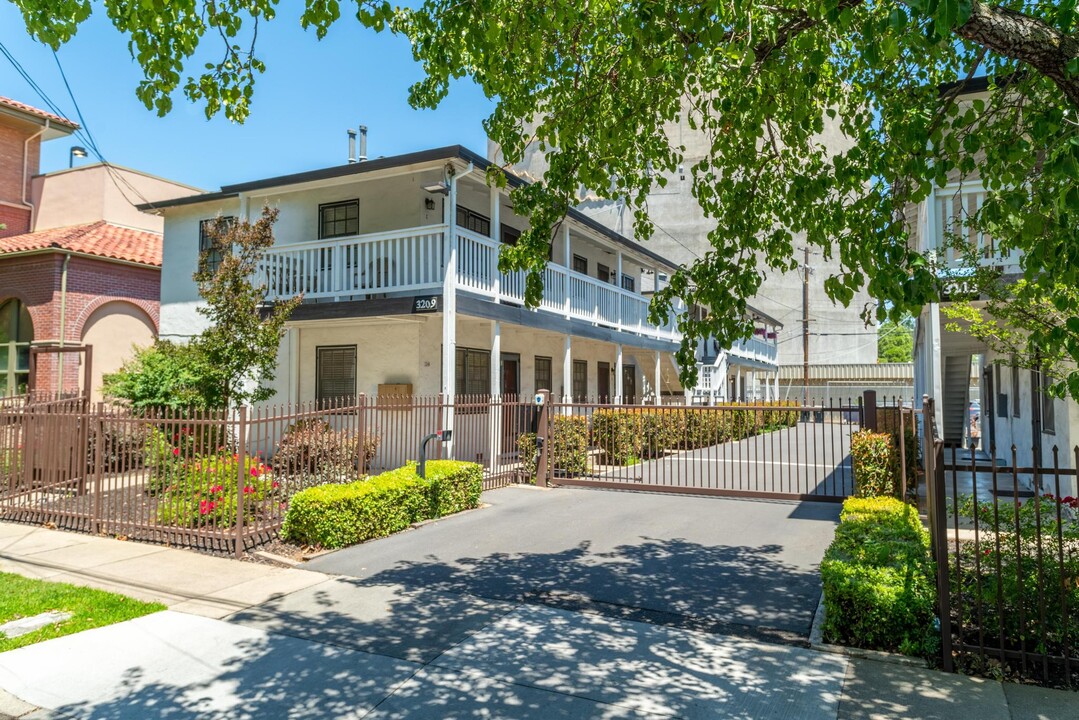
[
  {"x": 595, "y": 84},
  {"x": 895, "y": 341}
]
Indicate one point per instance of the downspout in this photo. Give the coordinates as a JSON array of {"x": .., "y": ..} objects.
[
  {"x": 26, "y": 169},
  {"x": 63, "y": 321}
]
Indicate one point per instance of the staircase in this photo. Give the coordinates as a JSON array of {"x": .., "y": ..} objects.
[{"x": 955, "y": 387}]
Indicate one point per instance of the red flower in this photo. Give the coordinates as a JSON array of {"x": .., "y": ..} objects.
[
  {"x": 215, "y": 489},
  {"x": 175, "y": 452},
  {"x": 274, "y": 484},
  {"x": 254, "y": 472},
  {"x": 205, "y": 507},
  {"x": 248, "y": 489}
]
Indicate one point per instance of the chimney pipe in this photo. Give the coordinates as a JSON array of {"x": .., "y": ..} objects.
[
  {"x": 351, "y": 146},
  {"x": 363, "y": 143}
]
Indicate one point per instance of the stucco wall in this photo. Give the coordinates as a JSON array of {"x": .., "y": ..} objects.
[{"x": 114, "y": 330}]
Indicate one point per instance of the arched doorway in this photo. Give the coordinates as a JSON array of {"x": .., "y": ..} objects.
[
  {"x": 16, "y": 333},
  {"x": 113, "y": 330}
]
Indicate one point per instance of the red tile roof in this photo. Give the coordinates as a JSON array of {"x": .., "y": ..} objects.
[
  {"x": 98, "y": 238},
  {"x": 30, "y": 110}
]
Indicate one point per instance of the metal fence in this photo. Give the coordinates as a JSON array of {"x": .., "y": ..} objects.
[
  {"x": 221, "y": 480},
  {"x": 1006, "y": 545},
  {"x": 771, "y": 450}
]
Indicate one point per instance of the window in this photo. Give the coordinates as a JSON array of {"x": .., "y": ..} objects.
[
  {"x": 339, "y": 219},
  {"x": 473, "y": 372},
  {"x": 628, "y": 283},
  {"x": 580, "y": 264},
  {"x": 510, "y": 236},
  {"x": 580, "y": 380},
  {"x": 473, "y": 221},
  {"x": 335, "y": 372},
  {"x": 211, "y": 252},
  {"x": 603, "y": 273},
  {"x": 1048, "y": 406},
  {"x": 1015, "y": 388},
  {"x": 16, "y": 334},
  {"x": 543, "y": 374},
  {"x": 1002, "y": 397}
]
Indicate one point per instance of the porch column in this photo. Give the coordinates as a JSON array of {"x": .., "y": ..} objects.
[
  {"x": 496, "y": 235},
  {"x": 619, "y": 391},
  {"x": 777, "y": 385},
  {"x": 568, "y": 262},
  {"x": 738, "y": 384},
  {"x": 494, "y": 415},
  {"x": 659, "y": 399},
  {"x": 449, "y": 311},
  {"x": 567, "y": 370}
]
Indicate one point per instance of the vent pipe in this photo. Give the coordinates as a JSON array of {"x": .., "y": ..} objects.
[
  {"x": 363, "y": 143},
  {"x": 351, "y": 146}
]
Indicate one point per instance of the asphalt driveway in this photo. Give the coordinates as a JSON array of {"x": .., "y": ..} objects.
[{"x": 716, "y": 564}]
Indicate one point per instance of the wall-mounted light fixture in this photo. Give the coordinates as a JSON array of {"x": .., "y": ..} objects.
[
  {"x": 429, "y": 203},
  {"x": 77, "y": 151}
]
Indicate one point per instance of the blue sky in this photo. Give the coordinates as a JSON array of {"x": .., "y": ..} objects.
[{"x": 311, "y": 93}]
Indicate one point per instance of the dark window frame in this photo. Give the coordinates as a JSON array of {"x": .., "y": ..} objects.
[
  {"x": 603, "y": 272},
  {"x": 462, "y": 366},
  {"x": 321, "y": 395},
  {"x": 579, "y": 372},
  {"x": 580, "y": 264},
  {"x": 1016, "y": 412},
  {"x": 347, "y": 231},
  {"x": 541, "y": 383},
  {"x": 629, "y": 283},
  {"x": 210, "y": 253},
  {"x": 509, "y": 235},
  {"x": 473, "y": 221},
  {"x": 1047, "y": 405}
]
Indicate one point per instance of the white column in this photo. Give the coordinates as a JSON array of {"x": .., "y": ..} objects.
[
  {"x": 659, "y": 398},
  {"x": 449, "y": 310},
  {"x": 777, "y": 386},
  {"x": 935, "y": 364},
  {"x": 494, "y": 415},
  {"x": 567, "y": 370},
  {"x": 496, "y": 235},
  {"x": 738, "y": 384},
  {"x": 619, "y": 391}
]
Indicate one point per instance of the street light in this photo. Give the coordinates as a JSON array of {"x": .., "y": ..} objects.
[{"x": 77, "y": 151}]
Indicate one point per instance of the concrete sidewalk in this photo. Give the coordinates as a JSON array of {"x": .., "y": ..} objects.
[
  {"x": 183, "y": 580},
  {"x": 301, "y": 644}
]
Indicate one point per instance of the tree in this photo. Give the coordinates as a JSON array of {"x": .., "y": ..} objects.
[
  {"x": 228, "y": 362},
  {"x": 895, "y": 341},
  {"x": 593, "y": 84}
]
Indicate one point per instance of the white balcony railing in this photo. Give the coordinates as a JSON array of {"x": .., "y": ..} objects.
[
  {"x": 409, "y": 261},
  {"x": 944, "y": 220},
  {"x": 755, "y": 349}
]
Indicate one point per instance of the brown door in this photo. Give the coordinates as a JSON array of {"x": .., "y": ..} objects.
[
  {"x": 511, "y": 375},
  {"x": 603, "y": 382},
  {"x": 629, "y": 384},
  {"x": 511, "y": 412}
]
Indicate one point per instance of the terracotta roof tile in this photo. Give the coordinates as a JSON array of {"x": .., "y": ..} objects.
[
  {"x": 31, "y": 110},
  {"x": 98, "y": 238}
]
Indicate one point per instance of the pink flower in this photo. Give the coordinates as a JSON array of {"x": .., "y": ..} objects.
[
  {"x": 274, "y": 484},
  {"x": 254, "y": 472},
  {"x": 215, "y": 489},
  {"x": 205, "y": 507}
]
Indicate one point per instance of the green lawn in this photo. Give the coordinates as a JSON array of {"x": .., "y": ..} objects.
[{"x": 22, "y": 597}]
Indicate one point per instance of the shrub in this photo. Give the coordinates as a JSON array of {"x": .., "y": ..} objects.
[
  {"x": 333, "y": 516},
  {"x": 878, "y": 579},
  {"x": 204, "y": 491},
  {"x": 122, "y": 445},
  {"x": 567, "y": 450},
  {"x": 875, "y": 461},
  {"x": 312, "y": 448},
  {"x": 619, "y": 435}
]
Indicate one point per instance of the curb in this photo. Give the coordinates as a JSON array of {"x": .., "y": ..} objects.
[{"x": 816, "y": 642}]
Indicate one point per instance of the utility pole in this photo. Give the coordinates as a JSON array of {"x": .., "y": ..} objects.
[{"x": 805, "y": 328}]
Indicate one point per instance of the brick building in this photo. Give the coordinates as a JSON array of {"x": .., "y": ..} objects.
[{"x": 79, "y": 264}]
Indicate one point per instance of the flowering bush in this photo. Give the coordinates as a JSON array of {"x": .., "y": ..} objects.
[
  {"x": 313, "y": 449},
  {"x": 206, "y": 491},
  {"x": 1019, "y": 583}
]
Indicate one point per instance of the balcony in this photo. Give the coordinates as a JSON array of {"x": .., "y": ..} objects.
[
  {"x": 943, "y": 215},
  {"x": 406, "y": 262},
  {"x": 756, "y": 349}
]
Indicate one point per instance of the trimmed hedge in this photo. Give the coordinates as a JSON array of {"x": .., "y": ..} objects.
[
  {"x": 333, "y": 516},
  {"x": 875, "y": 460},
  {"x": 628, "y": 435},
  {"x": 878, "y": 578},
  {"x": 567, "y": 451}
]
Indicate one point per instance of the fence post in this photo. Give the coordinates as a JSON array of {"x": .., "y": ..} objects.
[
  {"x": 361, "y": 431},
  {"x": 99, "y": 465},
  {"x": 869, "y": 410},
  {"x": 241, "y": 479},
  {"x": 543, "y": 434},
  {"x": 937, "y": 513}
]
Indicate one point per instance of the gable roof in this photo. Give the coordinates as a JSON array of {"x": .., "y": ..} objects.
[
  {"x": 15, "y": 107},
  {"x": 98, "y": 239}
]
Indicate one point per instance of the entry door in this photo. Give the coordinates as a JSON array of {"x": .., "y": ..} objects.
[
  {"x": 629, "y": 384},
  {"x": 603, "y": 382},
  {"x": 511, "y": 375},
  {"x": 512, "y": 414}
]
